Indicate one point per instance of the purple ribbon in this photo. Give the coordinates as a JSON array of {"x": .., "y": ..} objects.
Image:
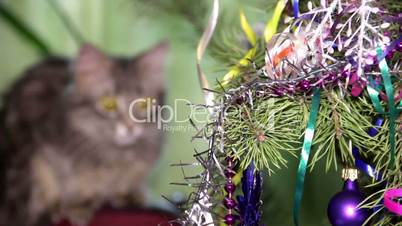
[
  {"x": 295, "y": 4},
  {"x": 390, "y": 48},
  {"x": 359, "y": 163}
]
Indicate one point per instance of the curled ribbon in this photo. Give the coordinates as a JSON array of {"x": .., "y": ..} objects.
[
  {"x": 307, "y": 143},
  {"x": 393, "y": 111},
  {"x": 202, "y": 45},
  {"x": 390, "y": 200}
]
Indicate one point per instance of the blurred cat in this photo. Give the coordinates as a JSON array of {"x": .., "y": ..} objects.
[{"x": 68, "y": 145}]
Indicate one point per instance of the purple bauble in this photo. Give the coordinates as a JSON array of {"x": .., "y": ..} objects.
[{"x": 343, "y": 208}]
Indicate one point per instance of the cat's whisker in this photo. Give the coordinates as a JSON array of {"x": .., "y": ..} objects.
[
  {"x": 184, "y": 184},
  {"x": 185, "y": 164}
]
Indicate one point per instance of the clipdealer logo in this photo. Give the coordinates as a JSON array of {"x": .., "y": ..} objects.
[
  {"x": 165, "y": 115},
  {"x": 175, "y": 117}
]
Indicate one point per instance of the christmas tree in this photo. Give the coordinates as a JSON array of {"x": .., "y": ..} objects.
[{"x": 321, "y": 81}]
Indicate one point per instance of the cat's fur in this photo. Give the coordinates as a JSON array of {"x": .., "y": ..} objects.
[{"x": 63, "y": 153}]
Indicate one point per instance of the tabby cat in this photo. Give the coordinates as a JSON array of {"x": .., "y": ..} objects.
[{"x": 68, "y": 144}]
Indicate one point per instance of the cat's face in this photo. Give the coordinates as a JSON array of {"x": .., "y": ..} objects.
[{"x": 104, "y": 91}]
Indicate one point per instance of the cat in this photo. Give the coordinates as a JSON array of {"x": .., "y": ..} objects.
[{"x": 68, "y": 144}]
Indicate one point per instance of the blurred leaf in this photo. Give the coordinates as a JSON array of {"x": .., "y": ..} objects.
[
  {"x": 66, "y": 20},
  {"x": 23, "y": 30},
  {"x": 272, "y": 24},
  {"x": 194, "y": 12},
  {"x": 250, "y": 34}
]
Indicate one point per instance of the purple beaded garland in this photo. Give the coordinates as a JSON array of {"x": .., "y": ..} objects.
[
  {"x": 230, "y": 219},
  {"x": 229, "y": 203},
  {"x": 304, "y": 85},
  {"x": 229, "y": 173},
  {"x": 279, "y": 91},
  {"x": 230, "y": 188},
  {"x": 331, "y": 77}
]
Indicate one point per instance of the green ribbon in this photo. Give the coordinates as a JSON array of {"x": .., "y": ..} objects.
[
  {"x": 375, "y": 98},
  {"x": 393, "y": 111},
  {"x": 308, "y": 141}
]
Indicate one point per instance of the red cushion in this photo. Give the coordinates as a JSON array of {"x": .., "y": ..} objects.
[{"x": 128, "y": 218}]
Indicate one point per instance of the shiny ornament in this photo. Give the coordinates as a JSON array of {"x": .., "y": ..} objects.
[
  {"x": 250, "y": 202},
  {"x": 343, "y": 208}
]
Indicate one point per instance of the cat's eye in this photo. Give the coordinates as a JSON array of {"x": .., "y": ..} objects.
[{"x": 109, "y": 103}]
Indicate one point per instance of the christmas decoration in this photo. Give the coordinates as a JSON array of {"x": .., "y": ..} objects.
[
  {"x": 343, "y": 209},
  {"x": 312, "y": 87},
  {"x": 250, "y": 201},
  {"x": 390, "y": 201},
  {"x": 228, "y": 201}
]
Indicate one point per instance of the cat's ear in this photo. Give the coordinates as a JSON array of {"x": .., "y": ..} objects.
[
  {"x": 150, "y": 65},
  {"x": 92, "y": 71}
]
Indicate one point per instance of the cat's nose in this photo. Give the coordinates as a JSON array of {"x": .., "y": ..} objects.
[{"x": 127, "y": 134}]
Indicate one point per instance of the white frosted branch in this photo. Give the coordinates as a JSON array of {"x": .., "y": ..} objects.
[{"x": 363, "y": 24}]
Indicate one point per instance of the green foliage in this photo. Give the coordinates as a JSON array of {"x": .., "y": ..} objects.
[
  {"x": 267, "y": 128},
  {"x": 191, "y": 11},
  {"x": 72, "y": 29},
  {"x": 264, "y": 131},
  {"x": 23, "y": 30}
]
